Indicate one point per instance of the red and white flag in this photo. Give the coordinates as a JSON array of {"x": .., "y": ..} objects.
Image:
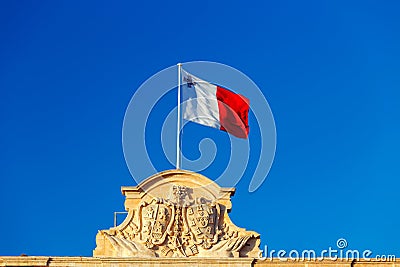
[{"x": 214, "y": 106}]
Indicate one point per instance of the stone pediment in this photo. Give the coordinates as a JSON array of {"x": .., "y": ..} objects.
[{"x": 177, "y": 213}]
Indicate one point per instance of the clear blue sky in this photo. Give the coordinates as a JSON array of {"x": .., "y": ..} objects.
[{"x": 329, "y": 69}]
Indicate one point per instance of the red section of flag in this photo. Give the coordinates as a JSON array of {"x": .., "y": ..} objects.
[{"x": 233, "y": 112}]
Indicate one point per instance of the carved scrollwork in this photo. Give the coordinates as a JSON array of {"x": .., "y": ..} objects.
[{"x": 177, "y": 226}]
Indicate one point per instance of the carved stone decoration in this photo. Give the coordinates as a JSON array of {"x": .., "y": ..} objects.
[
  {"x": 202, "y": 220},
  {"x": 155, "y": 221},
  {"x": 177, "y": 214}
]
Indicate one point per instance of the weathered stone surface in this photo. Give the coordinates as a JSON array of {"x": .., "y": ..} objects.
[{"x": 177, "y": 214}]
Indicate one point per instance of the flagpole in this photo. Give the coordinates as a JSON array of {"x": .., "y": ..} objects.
[{"x": 178, "y": 153}]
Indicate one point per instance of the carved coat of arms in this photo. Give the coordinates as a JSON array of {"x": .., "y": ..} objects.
[
  {"x": 156, "y": 219},
  {"x": 176, "y": 226},
  {"x": 179, "y": 224},
  {"x": 202, "y": 219}
]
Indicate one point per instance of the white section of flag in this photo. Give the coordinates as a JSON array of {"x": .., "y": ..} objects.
[{"x": 200, "y": 102}]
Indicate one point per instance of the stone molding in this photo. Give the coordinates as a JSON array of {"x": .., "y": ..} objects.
[
  {"x": 177, "y": 213},
  {"x": 44, "y": 261}
]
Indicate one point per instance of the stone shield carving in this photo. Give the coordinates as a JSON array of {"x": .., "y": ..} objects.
[
  {"x": 202, "y": 219},
  {"x": 174, "y": 219},
  {"x": 155, "y": 222}
]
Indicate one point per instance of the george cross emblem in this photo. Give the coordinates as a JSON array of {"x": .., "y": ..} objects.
[{"x": 189, "y": 81}]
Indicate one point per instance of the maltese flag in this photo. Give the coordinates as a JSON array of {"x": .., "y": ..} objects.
[{"x": 214, "y": 106}]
